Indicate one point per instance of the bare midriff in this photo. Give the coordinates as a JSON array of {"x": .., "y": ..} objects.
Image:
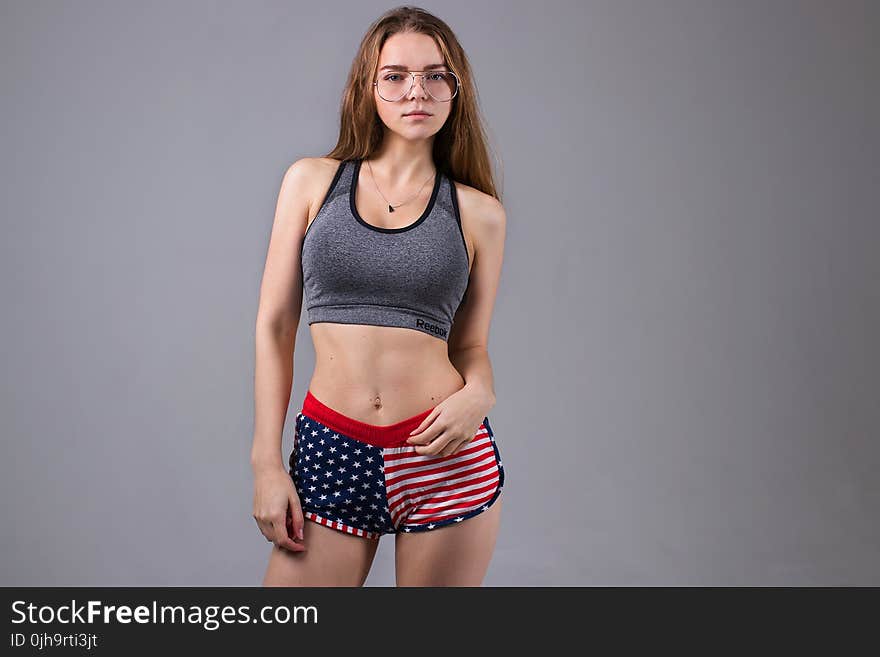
[{"x": 380, "y": 374}]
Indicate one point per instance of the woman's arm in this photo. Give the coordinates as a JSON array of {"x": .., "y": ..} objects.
[
  {"x": 275, "y": 497},
  {"x": 273, "y": 377},
  {"x": 468, "y": 347},
  {"x": 278, "y": 316}
]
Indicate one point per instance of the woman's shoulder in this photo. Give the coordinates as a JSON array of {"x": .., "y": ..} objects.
[
  {"x": 316, "y": 174},
  {"x": 475, "y": 204},
  {"x": 316, "y": 167}
]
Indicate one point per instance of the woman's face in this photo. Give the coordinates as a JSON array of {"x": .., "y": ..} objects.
[{"x": 415, "y": 52}]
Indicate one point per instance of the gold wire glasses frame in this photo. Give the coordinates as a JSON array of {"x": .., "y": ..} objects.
[{"x": 412, "y": 75}]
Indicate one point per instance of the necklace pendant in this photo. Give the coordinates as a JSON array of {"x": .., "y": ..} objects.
[{"x": 390, "y": 209}]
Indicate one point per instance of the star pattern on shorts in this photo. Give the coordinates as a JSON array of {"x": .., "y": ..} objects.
[{"x": 349, "y": 473}]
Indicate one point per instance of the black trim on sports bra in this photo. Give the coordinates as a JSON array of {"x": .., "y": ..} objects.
[
  {"x": 379, "y": 229},
  {"x": 454, "y": 194}
]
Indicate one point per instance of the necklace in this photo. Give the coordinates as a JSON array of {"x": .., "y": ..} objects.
[{"x": 391, "y": 207}]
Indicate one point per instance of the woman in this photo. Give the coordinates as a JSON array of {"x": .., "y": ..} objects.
[{"x": 399, "y": 267}]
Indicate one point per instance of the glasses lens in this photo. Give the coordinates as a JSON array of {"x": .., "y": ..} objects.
[
  {"x": 393, "y": 86},
  {"x": 440, "y": 85}
]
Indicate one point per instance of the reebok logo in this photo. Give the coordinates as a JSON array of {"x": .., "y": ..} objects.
[{"x": 433, "y": 328}]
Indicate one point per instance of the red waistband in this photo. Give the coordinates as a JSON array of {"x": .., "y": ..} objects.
[{"x": 387, "y": 435}]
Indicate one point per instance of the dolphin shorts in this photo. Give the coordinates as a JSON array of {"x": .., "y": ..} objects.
[{"x": 364, "y": 479}]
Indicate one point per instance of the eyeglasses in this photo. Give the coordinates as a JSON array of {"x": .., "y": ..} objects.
[{"x": 442, "y": 86}]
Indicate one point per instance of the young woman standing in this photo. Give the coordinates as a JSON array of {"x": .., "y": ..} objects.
[{"x": 394, "y": 241}]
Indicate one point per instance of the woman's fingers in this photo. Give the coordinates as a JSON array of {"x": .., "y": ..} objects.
[
  {"x": 274, "y": 528},
  {"x": 435, "y": 446},
  {"x": 280, "y": 536},
  {"x": 264, "y": 524},
  {"x": 296, "y": 517},
  {"x": 277, "y": 510},
  {"x": 293, "y": 526},
  {"x": 454, "y": 447}
]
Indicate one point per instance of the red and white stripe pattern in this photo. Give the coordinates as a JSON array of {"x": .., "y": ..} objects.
[
  {"x": 426, "y": 490},
  {"x": 335, "y": 524}
]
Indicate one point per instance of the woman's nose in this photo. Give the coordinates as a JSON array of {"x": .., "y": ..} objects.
[{"x": 419, "y": 80}]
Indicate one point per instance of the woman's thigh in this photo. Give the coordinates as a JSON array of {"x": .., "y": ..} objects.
[
  {"x": 332, "y": 558},
  {"x": 452, "y": 555}
]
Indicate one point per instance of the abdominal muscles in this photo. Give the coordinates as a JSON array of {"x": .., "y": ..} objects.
[{"x": 380, "y": 374}]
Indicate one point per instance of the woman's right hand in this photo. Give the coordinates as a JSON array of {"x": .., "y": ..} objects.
[{"x": 277, "y": 507}]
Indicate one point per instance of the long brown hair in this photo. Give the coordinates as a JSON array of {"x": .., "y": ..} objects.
[{"x": 460, "y": 146}]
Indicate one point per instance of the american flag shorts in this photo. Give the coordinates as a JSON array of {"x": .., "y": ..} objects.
[{"x": 366, "y": 480}]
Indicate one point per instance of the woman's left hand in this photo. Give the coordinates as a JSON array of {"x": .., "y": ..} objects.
[{"x": 452, "y": 424}]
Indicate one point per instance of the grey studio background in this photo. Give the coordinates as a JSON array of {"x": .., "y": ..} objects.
[{"x": 685, "y": 337}]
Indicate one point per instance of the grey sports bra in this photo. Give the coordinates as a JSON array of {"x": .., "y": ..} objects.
[{"x": 356, "y": 273}]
